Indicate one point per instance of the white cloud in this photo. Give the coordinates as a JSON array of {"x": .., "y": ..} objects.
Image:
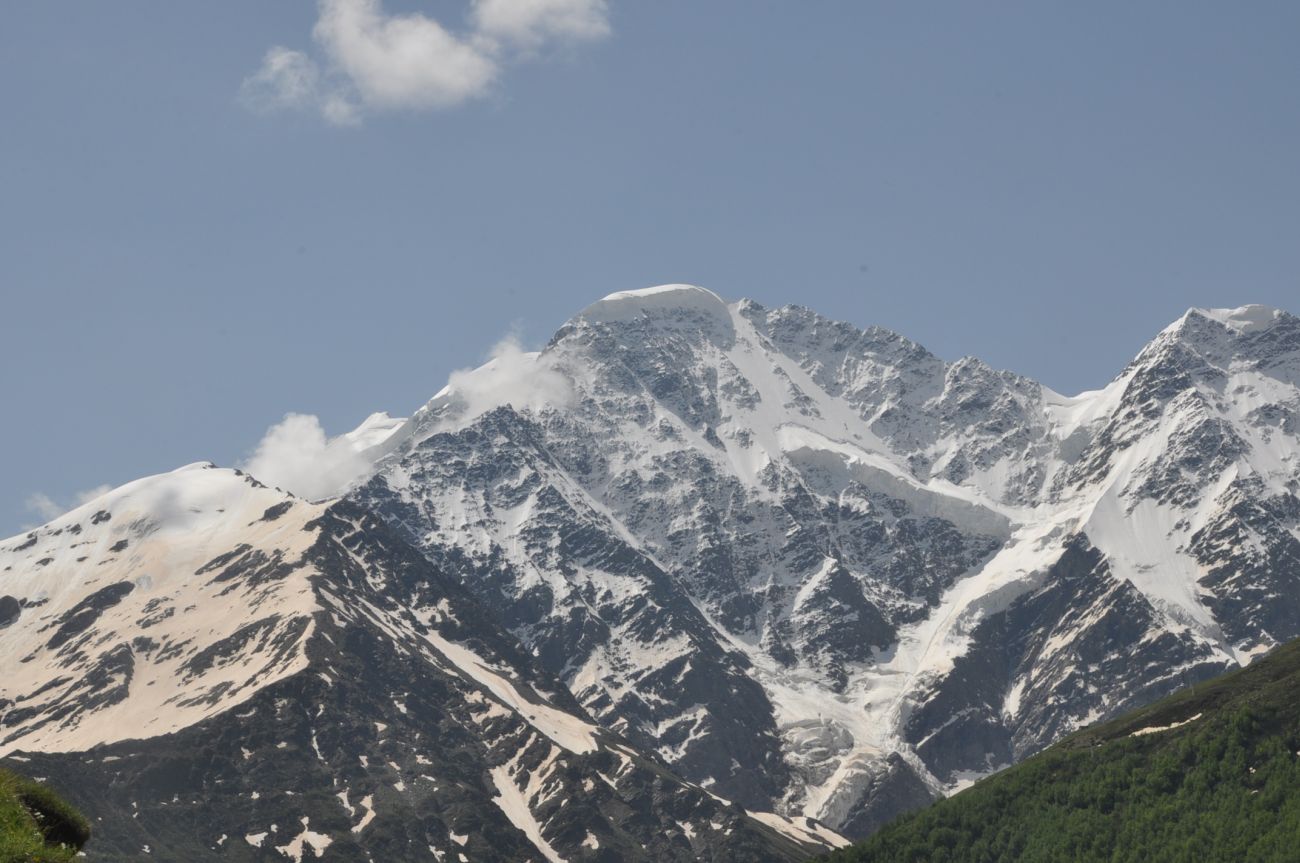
[
  {"x": 368, "y": 60},
  {"x": 296, "y": 455},
  {"x": 91, "y": 493},
  {"x": 406, "y": 61},
  {"x": 287, "y": 79},
  {"x": 44, "y": 506},
  {"x": 339, "y": 110},
  {"x": 531, "y": 23},
  {"x": 511, "y": 376},
  {"x": 49, "y": 509}
]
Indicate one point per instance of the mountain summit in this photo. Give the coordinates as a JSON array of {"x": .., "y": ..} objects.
[
  {"x": 819, "y": 568},
  {"x": 755, "y": 554}
]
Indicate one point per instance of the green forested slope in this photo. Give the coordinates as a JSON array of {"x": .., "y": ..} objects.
[
  {"x": 35, "y": 825},
  {"x": 1222, "y": 787}
]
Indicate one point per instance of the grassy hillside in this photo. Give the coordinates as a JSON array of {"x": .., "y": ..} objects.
[
  {"x": 35, "y": 825},
  {"x": 1223, "y": 786}
]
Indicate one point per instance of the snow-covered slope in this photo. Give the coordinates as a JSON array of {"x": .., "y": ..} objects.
[
  {"x": 809, "y": 568},
  {"x": 214, "y": 669},
  {"x": 123, "y": 627},
  {"x": 819, "y": 568}
]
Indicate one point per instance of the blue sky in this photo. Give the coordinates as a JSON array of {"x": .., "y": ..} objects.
[{"x": 213, "y": 214}]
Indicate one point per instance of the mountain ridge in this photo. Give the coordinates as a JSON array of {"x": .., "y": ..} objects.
[
  {"x": 818, "y": 570},
  {"x": 352, "y": 701},
  {"x": 785, "y": 408}
]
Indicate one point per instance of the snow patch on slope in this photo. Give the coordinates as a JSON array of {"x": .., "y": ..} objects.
[
  {"x": 514, "y": 803},
  {"x": 564, "y": 728},
  {"x": 810, "y": 833},
  {"x": 1155, "y": 729}
]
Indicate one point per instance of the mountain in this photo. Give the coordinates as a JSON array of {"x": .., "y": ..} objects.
[
  {"x": 1211, "y": 773},
  {"x": 735, "y": 561},
  {"x": 213, "y": 669},
  {"x": 821, "y": 570}
]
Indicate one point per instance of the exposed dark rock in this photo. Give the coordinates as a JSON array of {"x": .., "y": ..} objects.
[
  {"x": 79, "y": 618},
  {"x": 10, "y": 609}
]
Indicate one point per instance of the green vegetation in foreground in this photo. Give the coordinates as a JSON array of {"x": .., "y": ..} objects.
[
  {"x": 35, "y": 825},
  {"x": 1223, "y": 787}
]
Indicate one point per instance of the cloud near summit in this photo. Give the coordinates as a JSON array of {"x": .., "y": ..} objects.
[{"x": 366, "y": 60}]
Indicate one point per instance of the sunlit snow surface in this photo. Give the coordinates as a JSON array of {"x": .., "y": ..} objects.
[
  {"x": 136, "y": 668},
  {"x": 671, "y": 384},
  {"x": 176, "y": 598},
  {"x": 673, "y": 495}
]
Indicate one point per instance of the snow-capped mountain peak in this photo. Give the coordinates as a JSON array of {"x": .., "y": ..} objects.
[
  {"x": 1243, "y": 319},
  {"x": 625, "y": 305},
  {"x": 812, "y": 567},
  {"x": 849, "y": 519}
]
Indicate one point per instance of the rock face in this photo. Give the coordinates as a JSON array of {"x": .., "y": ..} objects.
[
  {"x": 10, "y": 609},
  {"x": 690, "y": 548},
  {"x": 248, "y": 676},
  {"x": 820, "y": 569}
]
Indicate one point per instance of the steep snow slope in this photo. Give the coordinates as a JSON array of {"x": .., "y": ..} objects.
[
  {"x": 215, "y": 669},
  {"x": 820, "y": 568}
]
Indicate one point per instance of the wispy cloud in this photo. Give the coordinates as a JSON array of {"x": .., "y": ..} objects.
[
  {"x": 287, "y": 79},
  {"x": 366, "y": 60},
  {"x": 531, "y": 24},
  {"x": 48, "y": 509},
  {"x": 44, "y": 506}
]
